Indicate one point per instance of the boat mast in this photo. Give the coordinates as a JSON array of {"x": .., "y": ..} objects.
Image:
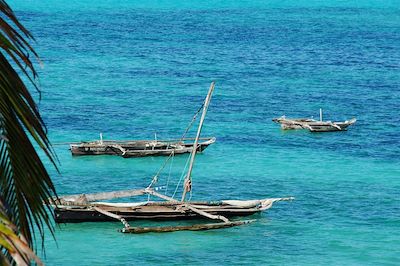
[
  {"x": 188, "y": 179},
  {"x": 320, "y": 114}
]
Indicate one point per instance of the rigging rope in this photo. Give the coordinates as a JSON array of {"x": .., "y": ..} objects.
[
  {"x": 169, "y": 175},
  {"x": 191, "y": 122},
  {"x": 155, "y": 178},
  {"x": 182, "y": 175}
]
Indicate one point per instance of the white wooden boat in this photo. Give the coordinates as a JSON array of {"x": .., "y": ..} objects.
[{"x": 312, "y": 124}]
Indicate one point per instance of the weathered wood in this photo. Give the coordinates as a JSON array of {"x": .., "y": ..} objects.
[
  {"x": 152, "y": 192},
  {"x": 329, "y": 126},
  {"x": 190, "y": 207},
  {"x": 119, "y": 147},
  {"x": 206, "y": 214},
  {"x": 313, "y": 125},
  {"x": 138, "y": 148},
  {"x": 107, "y": 213},
  {"x": 103, "y": 195},
  {"x": 169, "y": 210},
  {"x": 196, "y": 227},
  {"x": 112, "y": 215},
  {"x": 187, "y": 181}
]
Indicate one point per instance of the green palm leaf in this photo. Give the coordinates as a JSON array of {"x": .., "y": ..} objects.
[{"x": 25, "y": 186}]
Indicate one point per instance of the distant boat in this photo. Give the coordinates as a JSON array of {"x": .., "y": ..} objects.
[
  {"x": 139, "y": 148},
  {"x": 312, "y": 124}
]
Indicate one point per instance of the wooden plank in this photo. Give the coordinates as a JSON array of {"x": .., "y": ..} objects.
[
  {"x": 107, "y": 213},
  {"x": 190, "y": 207},
  {"x": 196, "y": 227},
  {"x": 152, "y": 192},
  {"x": 205, "y": 214},
  {"x": 104, "y": 195},
  {"x": 112, "y": 215}
]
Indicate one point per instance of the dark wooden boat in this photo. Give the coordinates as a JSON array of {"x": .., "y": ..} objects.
[
  {"x": 83, "y": 208},
  {"x": 88, "y": 207},
  {"x": 139, "y": 148}
]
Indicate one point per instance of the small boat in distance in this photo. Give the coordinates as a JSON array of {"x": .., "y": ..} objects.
[
  {"x": 312, "y": 124},
  {"x": 139, "y": 148}
]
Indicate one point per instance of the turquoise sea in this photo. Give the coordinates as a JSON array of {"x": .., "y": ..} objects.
[{"x": 130, "y": 69}]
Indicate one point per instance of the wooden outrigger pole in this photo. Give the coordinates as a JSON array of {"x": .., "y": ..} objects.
[{"x": 188, "y": 178}]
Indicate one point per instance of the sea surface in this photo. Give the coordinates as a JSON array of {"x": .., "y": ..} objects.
[{"x": 133, "y": 69}]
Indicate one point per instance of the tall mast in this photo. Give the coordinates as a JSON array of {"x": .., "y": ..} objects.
[{"x": 188, "y": 178}]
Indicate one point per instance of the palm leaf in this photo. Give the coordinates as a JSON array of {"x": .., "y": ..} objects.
[
  {"x": 15, "y": 247},
  {"x": 25, "y": 186}
]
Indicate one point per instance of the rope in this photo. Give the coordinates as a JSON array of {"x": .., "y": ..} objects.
[
  {"x": 191, "y": 122},
  {"x": 169, "y": 175},
  {"x": 155, "y": 178},
  {"x": 182, "y": 175}
]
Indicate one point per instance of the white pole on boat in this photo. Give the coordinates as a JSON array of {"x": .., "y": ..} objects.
[
  {"x": 101, "y": 138},
  {"x": 188, "y": 180},
  {"x": 320, "y": 114},
  {"x": 155, "y": 137}
]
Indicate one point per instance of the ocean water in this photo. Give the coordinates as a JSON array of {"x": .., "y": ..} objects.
[{"x": 132, "y": 69}]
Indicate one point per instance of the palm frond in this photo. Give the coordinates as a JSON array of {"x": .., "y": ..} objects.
[
  {"x": 13, "y": 246},
  {"x": 25, "y": 186}
]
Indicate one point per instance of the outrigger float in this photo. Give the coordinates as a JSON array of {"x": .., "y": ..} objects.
[
  {"x": 139, "y": 148},
  {"x": 88, "y": 207},
  {"x": 312, "y": 124}
]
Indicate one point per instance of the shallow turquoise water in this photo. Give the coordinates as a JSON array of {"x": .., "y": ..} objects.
[{"x": 130, "y": 70}]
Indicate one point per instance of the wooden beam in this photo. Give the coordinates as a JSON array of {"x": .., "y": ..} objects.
[
  {"x": 206, "y": 214},
  {"x": 196, "y": 141},
  {"x": 196, "y": 227},
  {"x": 112, "y": 215},
  {"x": 105, "y": 195},
  {"x": 152, "y": 192},
  {"x": 190, "y": 207}
]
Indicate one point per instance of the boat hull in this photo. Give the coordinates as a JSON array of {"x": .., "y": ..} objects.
[
  {"x": 137, "y": 149},
  {"x": 69, "y": 216},
  {"x": 173, "y": 212},
  {"x": 330, "y": 126},
  {"x": 313, "y": 125}
]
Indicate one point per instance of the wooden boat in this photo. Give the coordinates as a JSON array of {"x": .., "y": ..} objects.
[
  {"x": 81, "y": 208},
  {"x": 293, "y": 123},
  {"x": 89, "y": 207},
  {"x": 313, "y": 125},
  {"x": 328, "y": 126},
  {"x": 139, "y": 148}
]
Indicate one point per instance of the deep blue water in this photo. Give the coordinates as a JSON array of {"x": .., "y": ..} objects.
[{"x": 130, "y": 70}]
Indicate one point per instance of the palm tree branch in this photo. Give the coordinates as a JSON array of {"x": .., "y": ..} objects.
[
  {"x": 25, "y": 186},
  {"x": 24, "y": 106}
]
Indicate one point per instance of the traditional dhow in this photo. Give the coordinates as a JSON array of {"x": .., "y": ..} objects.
[
  {"x": 139, "y": 148},
  {"x": 313, "y": 125},
  {"x": 89, "y": 207},
  {"x": 328, "y": 126}
]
